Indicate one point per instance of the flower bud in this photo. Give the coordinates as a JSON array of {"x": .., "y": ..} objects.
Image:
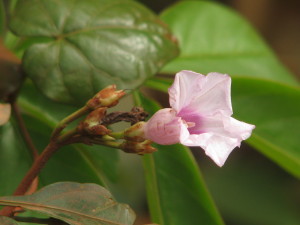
[
  {"x": 164, "y": 127},
  {"x": 140, "y": 148},
  {"x": 108, "y": 97},
  {"x": 135, "y": 132},
  {"x": 92, "y": 123}
]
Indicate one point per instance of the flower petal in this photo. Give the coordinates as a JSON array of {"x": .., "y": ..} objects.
[
  {"x": 165, "y": 128},
  {"x": 216, "y": 147},
  {"x": 218, "y": 136},
  {"x": 5, "y": 110},
  {"x": 187, "y": 84},
  {"x": 213, "y": 97}
]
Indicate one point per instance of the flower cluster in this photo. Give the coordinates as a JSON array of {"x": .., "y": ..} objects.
[{"x": 200, "y": 115}]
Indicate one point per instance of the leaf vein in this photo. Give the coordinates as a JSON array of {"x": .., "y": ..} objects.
[{"x": 33, "y": 206}]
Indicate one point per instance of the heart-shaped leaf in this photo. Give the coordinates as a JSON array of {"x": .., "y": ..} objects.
[
  {"x": 90, "y": 44},
  {"x": 75, "y": 204},
  {"x": 7, "y": 221},
  {"x": 213, "y": 38}
]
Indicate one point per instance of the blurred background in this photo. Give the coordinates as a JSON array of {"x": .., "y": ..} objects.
[{"x": 277, "y": 21}]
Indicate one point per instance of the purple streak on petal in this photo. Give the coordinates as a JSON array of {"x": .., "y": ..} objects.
[{"x": 189, "y": 116}]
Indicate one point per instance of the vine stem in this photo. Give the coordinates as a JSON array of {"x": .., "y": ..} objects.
[
  {"x": 62, "y": 124},
  {"x": 35, "y": 169},
  {"x": 28, "y": 141},
  {"x": 56, "y": 141}
]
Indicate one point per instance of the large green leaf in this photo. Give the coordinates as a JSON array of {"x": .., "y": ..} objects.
[
  {"x": 75, "y": 204},
  {"x": 176, "y": 191},
  {"x": 90, "y": 44},
  {"x": 275, "y": 110},
  {"x": 213, "y": 38}
]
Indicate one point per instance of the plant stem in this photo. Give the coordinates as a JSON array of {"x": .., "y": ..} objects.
[
  {"x": 67, "y": 135},
  {"x": 35, "y": 169},
  {"x": 117, "y": 135},
  {"x": 26, "y": 136},
  {"x": 62, "y": 124},
  {"x": 111, "y": 144},
  {"x": 28, "y": 141},
  {"x": 137, "y": 98}
]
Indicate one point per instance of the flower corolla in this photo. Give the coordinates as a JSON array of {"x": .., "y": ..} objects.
[{"x": 200, "y": 116}]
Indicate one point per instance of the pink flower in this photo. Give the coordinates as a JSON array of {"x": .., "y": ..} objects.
[{"x": 200, "y": 116}]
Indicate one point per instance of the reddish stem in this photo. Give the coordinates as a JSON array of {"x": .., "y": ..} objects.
[{"x": 37, "y": 166}]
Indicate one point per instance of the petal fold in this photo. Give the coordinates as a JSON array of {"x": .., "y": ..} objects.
[
  {"x": 213, "y": 97},
  {"x": 185, "y": 87},
  {"x": 219, "y": 136}
]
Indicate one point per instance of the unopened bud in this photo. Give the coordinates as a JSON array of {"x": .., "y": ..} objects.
[
  {"x": 135, "y": 132},
  {"x": 92, "y": 123},
  {"x": 108, "y": 97},
  {"x": 140, "y": 148}
]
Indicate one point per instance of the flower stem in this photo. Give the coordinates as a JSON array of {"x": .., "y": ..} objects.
[
  {"x": 137, "y": 98},
  {"x": 56, "y": 141},
  {"x": 67, "y": 135},
  {"x": 111, "y": 144},
  {"x": 117, "y": 135},
  {"x": 62, "y": 124},
  {"x": 35, "y": 169}
]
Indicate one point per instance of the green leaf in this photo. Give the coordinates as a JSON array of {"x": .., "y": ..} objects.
[
  {"x": 275, "y": 111},
  {"x": 213, "y": 38},
  {"x": 90, "y": 44},
  {"x": 14, "y": 159},
  {"x": 7, "y": 221},
  {"x": 75, "y": 204},
  {"x": 247, "y": 194},
  {"x": 176, "y": 191}
]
